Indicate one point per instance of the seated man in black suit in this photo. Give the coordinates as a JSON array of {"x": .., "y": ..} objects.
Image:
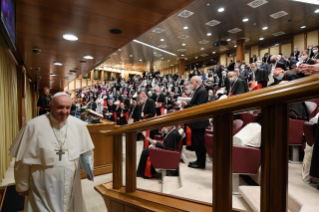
[
  {"x": 171, "y": 139},
  {"x": 238, "y": 86},
  {"x": 198, "y": 128},
  {"x": 295, "y": 54},
  {"x": 315, "y": 53}
]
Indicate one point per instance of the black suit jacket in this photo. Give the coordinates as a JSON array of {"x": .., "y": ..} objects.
[
  {"x": 160, "y": 98},
  {"x": 231, "y": 67},
  {"x": 315, "y": 56},
  {"x": 200, "y": 97},
  {"x": 239, "y": 87},
  {"x": 171, "y": 141},
  {"x": 149, "y": 109},
  {"x": 226, "y": 84},
  {"x": 135, "y": 112},
  {"x": 296, "y": 56},
  {"x": 153, "y": 97}
]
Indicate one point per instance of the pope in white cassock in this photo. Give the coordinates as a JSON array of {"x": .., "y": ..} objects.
[{"x": 47, "y": 167}]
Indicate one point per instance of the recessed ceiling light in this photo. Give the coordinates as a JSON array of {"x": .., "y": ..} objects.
[
  {"x": 70, "y": 37},
  {"x": 317, "y": 11},
  {"x": 171, "y": 64},
  {"x": 131, "y": 55},
  {"x": 185, "y": 27},
  {"x": 208, "y": 4},
  {"x": 201, "y": 48},
  {"x": 261, "y": 38},
  {"x": 235, "y": 46},
  {"x": 141, "y": 60},
  {"x": 264, "y": 28},
  {"x": 245, "y": 19},
  {"x": 119, "y": 50},
  {"x": 209, "y": 34},
  {"x": 183, "y": 44},
  {"x": 196, "y": 57},
  {"x": 57, "y": 63},
  {"x": 145, "y": 44},
  {"x": 303, "y": 27},
  {"x": 182, "y": 55},
  {"x": 221, "y": 10},
  {"x": 168, "y": 61},
  {"x": 51, "y": 80},
  {"x": 214, "y": 52},
  {"x": 88, "y": 57},
  {"x": 228, "y": 39},
  {"x": 162, "y": 58},
  {"x": 162, "y": 39}
]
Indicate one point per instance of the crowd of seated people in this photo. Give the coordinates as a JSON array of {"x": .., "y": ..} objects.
[{"x": 153, "y": 94}]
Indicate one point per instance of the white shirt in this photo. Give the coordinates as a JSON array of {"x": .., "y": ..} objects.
[{"x": 273, "y": 67}]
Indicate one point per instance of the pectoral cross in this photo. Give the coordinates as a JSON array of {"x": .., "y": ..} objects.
[{"x": 60, "y": 153}]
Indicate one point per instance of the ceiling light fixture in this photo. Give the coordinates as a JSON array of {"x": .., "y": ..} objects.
[
  {"x": 264, "y": 28},
  {"x": 245, "y": 19},
  {"x": 168, "y": 61},
  {"x": 51, "y": 80},
  {"x": 57, "y": 63},
  {"x": 119, "y": 50},
  {"x": 70, "y": 37},
  {"x": 202, "y": 49},
  {"x": 182, "y": 55},
  {"x": 88, "y": 57},
  {"x": 141, "y": 60},
  {"x": 261, "y": 38},
  {"x": 228, "y": 39},
  {"x": 183, "y": 44},
  {"x": 185, "y": 27},
  {"x": 214, "y": 52},
  {"x": 52, "y": 75},
  {"x": 162, "y": 39},
  {"x": 209, "y": 34},
  {"x": 162, "y": 58},
  {"x": 131, "y": 55},
  {"x": 308, "y": 1},
  {"x": 317, "y": 11},
  {"x": 171, "y": 64},
  {"x": 303, "y": 27},
  {"x": 196, "y": 57},
  {"x": 145, "y": 44},
  {"x": 221, "y": 10},
  {"x": 235, "y": 46}
]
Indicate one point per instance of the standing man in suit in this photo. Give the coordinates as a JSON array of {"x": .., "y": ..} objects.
[
  {"x": 266, "y": 58},
  {"x": 238, "y": 86},
  {"x": 295, "y": 54},
  {"x": 135, "y": 112},
  {"x": 224, "y": 83},
  {"x": 315, "y": 53},
  {"x": 231, "y": 66},
  {"x": 198, "y": 128},
  {"x": 274, "y": 63}
]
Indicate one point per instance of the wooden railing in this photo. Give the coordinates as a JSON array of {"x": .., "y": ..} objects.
[{"x": 274, "y": 103}]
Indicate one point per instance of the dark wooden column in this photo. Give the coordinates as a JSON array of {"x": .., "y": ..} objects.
[
  {"x": 240, "y": 50},
  {"x": 117, "y": 161},
  {"x": 274, "y": 159},
  {"x": 130, "y": 174},
  {"x": 181, "y": 69},
  {"x": 222, "y": 157}
]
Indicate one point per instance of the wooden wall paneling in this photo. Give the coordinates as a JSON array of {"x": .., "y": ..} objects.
[
  {"x": 247, "y": 58},
  {"x": 274, "y": 50},
  {"x": 222, "y": 59},
  {"x": 299, "y": 41},
  {"x": 102, "y": 75},
  {"x": 286, "y": 49},
  {"x": 130, "y": 162},
  {"x": 92, "y": 75},
  {"x": 312, "y": 38},
  {"x": 255, "y": 50},
  {"x": 222, "y": 156},
  {"x": 117, "y": 161},
  {"x": 274, "y": 158}
]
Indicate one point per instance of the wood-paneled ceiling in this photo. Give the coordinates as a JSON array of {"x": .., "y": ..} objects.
[
  {"x": 204, "y": 11},
  {"x": 41, "y": 24}
]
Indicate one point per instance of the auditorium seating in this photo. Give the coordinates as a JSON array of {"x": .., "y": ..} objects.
[
  {"x": 296, "y": 131},
  {"x": 248, "y": 118},
  {"x": 166, "y": 159}
]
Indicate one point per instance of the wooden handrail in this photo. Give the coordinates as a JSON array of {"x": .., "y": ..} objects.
[
  {"x": 274, "y": 102},
  {"x": 294, "y": 91}
]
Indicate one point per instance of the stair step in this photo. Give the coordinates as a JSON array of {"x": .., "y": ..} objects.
[{"x": 171, "y": 184}]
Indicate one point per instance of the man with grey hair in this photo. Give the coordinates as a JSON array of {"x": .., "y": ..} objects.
[
  {"x": 47, "y": 151},
  {"x": 198, "y": 128}
]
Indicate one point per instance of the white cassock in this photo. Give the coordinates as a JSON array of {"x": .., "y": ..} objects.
[
  {"x": 99, "y": 105},
  {"x": 53, "y": 185}
]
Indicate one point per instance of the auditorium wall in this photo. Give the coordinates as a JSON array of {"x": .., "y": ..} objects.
[
  {"x": 222, "y": 59},
  {"x": 9, "y": 126},
  {"x": 312, "y": 38},
  {"x": 286, "y": 49},
  {"x": 299, "y": 40},
  {"x": 274, "y": 50}
]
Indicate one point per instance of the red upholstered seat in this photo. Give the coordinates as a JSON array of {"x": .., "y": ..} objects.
[
  {"x": 248, "y": 118},
  {"x": 208, "y": 141},
  {"x": 237, "y": 126},
  {"x": 171, "y": 111},
  {"x": 246, "y": 160},
  {"x": 164, "y": 158}
]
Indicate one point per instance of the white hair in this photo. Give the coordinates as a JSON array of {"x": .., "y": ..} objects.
[{"x": 60, "y": 94}]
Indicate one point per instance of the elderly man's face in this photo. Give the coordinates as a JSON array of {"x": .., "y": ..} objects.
[
  {"x": 61, "y": 107},
  {"x": 46, "y": 91}
]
